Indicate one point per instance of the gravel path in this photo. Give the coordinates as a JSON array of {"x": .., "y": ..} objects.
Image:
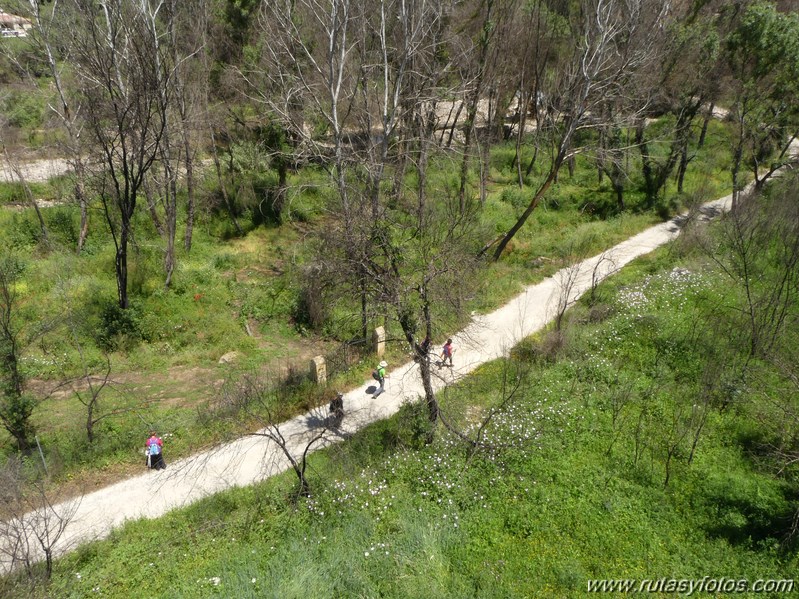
[
  {"x": 36, "y": 171},
  {"x": 254, "y": 458}
]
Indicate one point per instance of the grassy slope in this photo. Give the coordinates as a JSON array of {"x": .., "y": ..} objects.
[
  {"x": 225, "y": 282},
  {"x": 561, "y": 500}
]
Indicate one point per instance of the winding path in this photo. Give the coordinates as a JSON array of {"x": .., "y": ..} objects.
[{"x": 253, "y": 458}]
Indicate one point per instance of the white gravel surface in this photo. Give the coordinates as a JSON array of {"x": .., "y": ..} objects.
[
  {"x": 254, "y": 458},
  {"x": 35, "y": 171}
]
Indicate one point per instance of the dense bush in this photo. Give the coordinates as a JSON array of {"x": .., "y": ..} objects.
[
  {"x": 120, "y": 329},
  {"x": 24, "y": 110}
]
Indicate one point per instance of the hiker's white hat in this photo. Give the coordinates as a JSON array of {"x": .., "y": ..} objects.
[{"x": 383, "y": 364}]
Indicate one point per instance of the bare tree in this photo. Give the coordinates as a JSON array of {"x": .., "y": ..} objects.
[
  {"x": 566, "y": 278},
  {"x": 88, "y": 386},
  {"x": 53, "y": 47},
  {"x": 257, "y": 398},
  {"x": 308, "y": 78},
  {"x": 621, "y": 399},
  {"x": 309, "y": 74},
  {"x": 539, "y": 38},
  {"x": 758, "y": 249},
  {"x": 299, "y": 464},
  {"x": 168, "y": 29},
  {"x": 597, "y": 273},
  {"x": 682, "y": 84},
  {"x": 191, "y": 83},
  {"x": 120, "y": 75},
  {"x": 763, "y": 60},
  {"x": 514, "y": 373},
  {"x": 32, "y": 527},
  {"x": 617, "y": 39},
  {"x": 16, "y": 406},
  {"x": 482, "y": 55}
]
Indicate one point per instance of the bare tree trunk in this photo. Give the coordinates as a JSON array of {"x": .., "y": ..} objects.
[
  {"x": 223, "y": 186},
  {"x": 190, "y": 201},
  {"x": 121, "y": 265},
  {"x": 83, "y": 202},
  {"x": 531, "y": 164},
  {"x": 447, "y": 125},
  {"x": 152, "y": 209},
  {"x": 705, "y": 123},
  {"x": 63, "y": 109},
  {"x": 169, "y": 253},
  {"x": 517, "y": 159},
  {"x": 454, "y": 124},
  {"x": 482, "y": 149},
  {"x": 542, "y": 189},
  {"x": 364, "y": 307},
  {"x": 467, "y": 148},
  {"x": 682, "y": 168},
  {"x": 737, "y": 157}
]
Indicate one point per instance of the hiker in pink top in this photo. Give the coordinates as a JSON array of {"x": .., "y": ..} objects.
[
  {"x": 155, "y": 456},
  {"x": 446, "y": 353}
]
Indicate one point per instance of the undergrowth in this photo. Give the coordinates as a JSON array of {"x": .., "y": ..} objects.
[
  {"x": 572, "y": 481},
  {"x": 241, "y": 296}
]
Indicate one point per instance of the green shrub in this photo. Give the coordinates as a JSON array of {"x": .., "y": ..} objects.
[
  {"x": 11, "y": 193},
  {"x": 310, "y": 311},
  {"x": 24, "y": 110},
  {"x": 516, "y": 197},
  {"x": 120, "y": 329},
  {"x": 62, "y": 223},
  {"x": 24, "y": 230},
  {"x": 224, "y": 261}
]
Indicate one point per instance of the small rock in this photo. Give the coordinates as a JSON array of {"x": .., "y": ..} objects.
[{"x": 229, "y": 357}]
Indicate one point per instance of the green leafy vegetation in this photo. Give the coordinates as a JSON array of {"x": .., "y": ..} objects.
[
  {"x": 584, "y": 473},
  {"x": 224, "y": 288},
  {"x": 233, "y": 210}
]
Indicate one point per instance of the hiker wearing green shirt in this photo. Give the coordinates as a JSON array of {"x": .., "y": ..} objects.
[{"x": 380, "y": 376}]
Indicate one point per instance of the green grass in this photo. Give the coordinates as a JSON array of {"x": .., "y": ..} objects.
[
  {"x": 562, "y": 497},
  {"x": 165, "y": 353},
  {"x": 569, "y": 225},
  {"x": 14, "y": 193}
]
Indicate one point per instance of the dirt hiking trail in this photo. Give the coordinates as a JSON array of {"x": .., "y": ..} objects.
[{"x": 254, "y": 458}]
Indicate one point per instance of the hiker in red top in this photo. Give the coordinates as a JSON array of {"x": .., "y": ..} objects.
[
  {"x": 153, "y": 448},
  {"x": 446, "y": 353}
]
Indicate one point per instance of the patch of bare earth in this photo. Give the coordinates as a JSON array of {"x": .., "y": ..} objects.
[{"x": 179, "y": 387}]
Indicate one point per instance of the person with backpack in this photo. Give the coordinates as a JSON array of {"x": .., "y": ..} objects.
[
  {"x": 337, "y": 409},
  {"x": 446, "y": 353},
  {"x": 154, "y": 449},
  {"x": 379, "y": 375}
]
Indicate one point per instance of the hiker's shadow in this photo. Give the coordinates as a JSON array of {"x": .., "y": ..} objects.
[
  {"x": 371, "y": 389},
  {"x": 316, "y": 420}
]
